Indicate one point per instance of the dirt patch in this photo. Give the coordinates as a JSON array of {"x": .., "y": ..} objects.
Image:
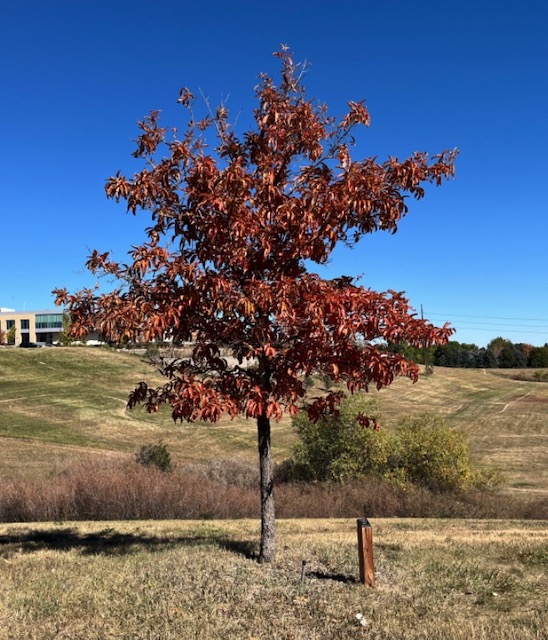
[
  {"x": 537, "y": 399},
  {"x": 513, "y": 401}
]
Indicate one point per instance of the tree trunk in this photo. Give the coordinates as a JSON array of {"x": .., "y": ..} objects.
[{"x": 268, "y": 518}]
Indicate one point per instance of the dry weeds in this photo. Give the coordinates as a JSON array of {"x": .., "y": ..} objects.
[{"x": 97, "y": 489}]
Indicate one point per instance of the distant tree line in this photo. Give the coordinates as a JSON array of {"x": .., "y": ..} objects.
[{"x": 500, "y": 352}]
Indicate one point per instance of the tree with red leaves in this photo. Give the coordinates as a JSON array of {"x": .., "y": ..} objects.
[{"x": 225, "y": 264}]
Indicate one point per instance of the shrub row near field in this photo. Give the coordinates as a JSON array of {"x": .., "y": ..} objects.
[{"x": 228, "y": 489}]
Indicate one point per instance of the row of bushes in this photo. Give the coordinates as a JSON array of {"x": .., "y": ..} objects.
[
  {"x": 228, "y": 489},
  {"x": 422, "y": 450}
]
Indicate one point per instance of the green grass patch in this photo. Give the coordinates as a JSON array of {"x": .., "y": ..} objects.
[{"x": 13, "y": 425}]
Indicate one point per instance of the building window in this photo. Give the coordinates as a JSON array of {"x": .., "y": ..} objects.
[
  {"x": 49, "y": 321},
  {"x": 25, "y": 324},
  {"x": 9, "y": 324}
]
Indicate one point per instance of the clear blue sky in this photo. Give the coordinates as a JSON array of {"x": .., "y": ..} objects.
[{"x": 77, "y": 75}]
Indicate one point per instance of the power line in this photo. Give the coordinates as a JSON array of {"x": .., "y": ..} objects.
[
  {"x": 500, "y": 328},
  {"x": 536, "y": 333},
  {"x": 457, "y": 315},
  {"x": 498, "y": 324}
]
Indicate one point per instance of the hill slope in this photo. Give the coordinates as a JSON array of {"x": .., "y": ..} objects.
[
  {"x": 57, "y": 403},
  {"x": 506, "y": 419}
]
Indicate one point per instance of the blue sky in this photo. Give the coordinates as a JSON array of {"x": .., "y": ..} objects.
[{"x": 77, "y": 75}]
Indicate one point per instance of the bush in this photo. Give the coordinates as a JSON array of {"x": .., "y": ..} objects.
[
  {"x": 422, "y": 450},
  {"x": 155, "y": 455},
  {"x": 228, "y": 472},
  {"x": 433, "y": 455},
  {"x": 337, "y": 447}
]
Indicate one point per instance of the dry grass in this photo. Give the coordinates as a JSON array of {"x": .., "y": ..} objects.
[
  {"x": 435, "y": 579},
  {"x": 55, "y": 403}
]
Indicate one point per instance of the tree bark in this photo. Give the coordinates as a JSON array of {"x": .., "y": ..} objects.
[{"x": 268, "y": 517}]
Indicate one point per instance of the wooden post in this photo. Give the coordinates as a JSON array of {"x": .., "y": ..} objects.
[{"x": 365, "y": 552}]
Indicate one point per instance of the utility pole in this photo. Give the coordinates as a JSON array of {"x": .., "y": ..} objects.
[{"x": 423, "y": 344}]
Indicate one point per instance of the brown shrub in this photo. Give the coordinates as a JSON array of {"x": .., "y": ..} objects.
[
  {"x": 87, "y": 491},
  {"x": 110, "y": 491}
]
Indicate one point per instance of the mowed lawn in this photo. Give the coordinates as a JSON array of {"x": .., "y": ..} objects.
[
  {"x": 58, "y": 403},
  {"x": 436, "y": 579}
]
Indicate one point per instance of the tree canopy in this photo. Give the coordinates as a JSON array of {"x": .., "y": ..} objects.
[{"x": 225, "y": 266}]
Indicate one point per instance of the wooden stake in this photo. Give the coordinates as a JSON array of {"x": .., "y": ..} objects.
[
  {"x": 303, "y": 571},
  {"x": 365, "y": 552}
]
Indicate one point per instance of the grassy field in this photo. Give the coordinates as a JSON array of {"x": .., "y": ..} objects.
[
  {"x": 448, "y": 579},
  {"x": 58, "y": 403},
  {"x": 506, "y": 420},
  {"x": 436, "y": 579}
]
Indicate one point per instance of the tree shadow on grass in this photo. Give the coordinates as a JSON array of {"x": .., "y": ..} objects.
[
  {"x": 240, "y": 547},
  {"x": 337, "y": 577},
  {"x": 110, "y": 542}
]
